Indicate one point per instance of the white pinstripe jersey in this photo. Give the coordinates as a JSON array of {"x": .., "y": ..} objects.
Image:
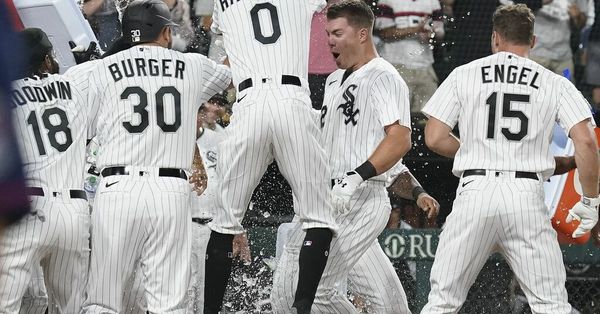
[
  {"x": 265, "y": 38},
  {"x": 356, "y": 110},
  {"x": 149, "y": 98},
  {"x": 208, "y": 146},
  {"x": 51, "y": 116},
  {"x": 506, "y": 107}
]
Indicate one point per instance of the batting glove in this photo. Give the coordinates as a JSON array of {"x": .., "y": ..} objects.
[
  {"x": 81, "y": 54},
  {"x": 586, "y": 211},
  {"x": 343, "y": 190}
]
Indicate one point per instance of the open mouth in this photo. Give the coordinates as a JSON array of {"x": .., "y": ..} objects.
[{"x": 335, "y": 55}]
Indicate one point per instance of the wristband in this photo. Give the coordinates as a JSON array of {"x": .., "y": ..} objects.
[
  {"x": 592, "y": 202},
  {"x": 366, "y": 170},
  {"x": 417, "y": 190}
]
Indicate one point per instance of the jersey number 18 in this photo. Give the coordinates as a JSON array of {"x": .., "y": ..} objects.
[{"x": 54, "y": 126}]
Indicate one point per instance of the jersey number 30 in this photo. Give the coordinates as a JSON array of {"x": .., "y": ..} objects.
[
  {"x": 140, "y": 109},
  {"x": 257, "y": 27}
]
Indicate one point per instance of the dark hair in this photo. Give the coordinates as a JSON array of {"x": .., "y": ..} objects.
[
  {"x": 36, "y": 47},
  {"x": 514, "y": 23},
  {"x": 357, "y": 12}
]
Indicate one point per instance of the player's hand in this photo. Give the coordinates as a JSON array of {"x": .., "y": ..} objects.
[
  {"x": 83, "y": 55},
  {"x": 343, "y": 190},
  {"x": 587, "y": 215},
  {"x": 428, "y": 204},
  {"x": 241, "y": 249}
]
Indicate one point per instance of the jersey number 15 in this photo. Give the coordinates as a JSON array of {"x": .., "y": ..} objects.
[{"x": 507, "y": 112}]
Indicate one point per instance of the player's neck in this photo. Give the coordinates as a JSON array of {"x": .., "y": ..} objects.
[
  {"x": 152, "y": 43},
  {"x": 366, "y": 56},
  {"x": 519, "y": 50}
]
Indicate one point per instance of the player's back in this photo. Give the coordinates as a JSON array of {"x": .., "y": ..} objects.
[
  {"x": 149, "y": 98},
  {"x": 51, "y": 118},
  {"x": 508, "y": 108},
  {"x": 266, "y": 38}
]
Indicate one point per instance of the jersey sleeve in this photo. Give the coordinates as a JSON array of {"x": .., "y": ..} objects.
[
  {"x": 384, "y": 17},
  {"x": 395, "y": 171},
  {"x": 82, "y": 77},
  {"x": 389, "y": 96},
  {"x": 317, "y": 5},
  {"x": 215, "y": 27},
  {"x": 444, "y": 104},
  {"x": 216, "y": 78},
  {"x": 572, "y": 106}
]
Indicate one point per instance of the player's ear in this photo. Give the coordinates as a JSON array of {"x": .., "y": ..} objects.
[
  {"x": 533, "y": 41},
  {"x": 363, "y": 35},
  {"x": 495, "y": 41},
  {"x": 166, "y": 36}
]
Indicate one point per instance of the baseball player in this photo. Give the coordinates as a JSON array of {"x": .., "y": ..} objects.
[
  {"x": 366, "y": 131},
  {"x": 148, "y": 97},
  {"x": 204, "y": 203},
  {"x": 52, "y": 122},
  {"x": 506, "y": 106},
  {"x": 366, "y": 279},
  {"x": 210, "y": 134},
  {"x": 267, "y": 46}
]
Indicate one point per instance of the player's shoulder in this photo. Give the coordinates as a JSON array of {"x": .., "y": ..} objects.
[
  {"x": 82, "y": 68},
  {"x": 381, "y": 70},
  {"x": 334, "y": 76}
]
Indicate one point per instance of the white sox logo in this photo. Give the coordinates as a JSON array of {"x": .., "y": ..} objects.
[{"x": 348, "y": 106}]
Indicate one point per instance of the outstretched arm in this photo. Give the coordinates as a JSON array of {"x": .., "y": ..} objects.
[{"x": 408, "y": 187}]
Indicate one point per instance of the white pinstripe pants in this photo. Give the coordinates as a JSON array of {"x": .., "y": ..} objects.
[
  {"x": 499, "y": 213},
  {"x": 273, "y": 122},
  {"x": 57, "y": 238},
  {"x": 356, "y": 260},
  {"x": 140, "y": 221},
  {"x": 134, "y": 301}
]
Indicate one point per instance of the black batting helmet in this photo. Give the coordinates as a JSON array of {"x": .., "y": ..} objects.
[{"x": 143, "y": 20}]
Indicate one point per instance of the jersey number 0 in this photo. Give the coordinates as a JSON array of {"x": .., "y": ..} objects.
[{"x": 257, "y": 27}]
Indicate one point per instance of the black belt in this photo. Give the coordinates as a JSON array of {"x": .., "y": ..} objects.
[
  {"x": 202, "y": 221},
  {"x": 285, "y": 80},
  {"x": 80, "y": 194},
  {"x": 518, "y": 174},
  {"x": 162, "y": 172}
]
